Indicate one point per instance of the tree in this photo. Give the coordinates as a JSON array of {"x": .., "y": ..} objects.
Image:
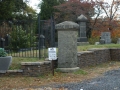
[
  {"x": 110, "y": 10},
  {"x": 6, "y": 8},
  {"x": 71, "y": 9},
  {"x": 47, "y": 8},
  {"x": 17, "y": 9}
]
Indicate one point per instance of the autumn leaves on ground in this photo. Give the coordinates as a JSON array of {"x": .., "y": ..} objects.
[{"x": 18, "y": 82}]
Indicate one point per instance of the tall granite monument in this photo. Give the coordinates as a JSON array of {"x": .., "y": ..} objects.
[
  {"x": 67, "y": 46},
  {"x": 82, "y": 38}
]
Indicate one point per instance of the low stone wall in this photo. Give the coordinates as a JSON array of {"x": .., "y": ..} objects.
[
  {"x": 93, "y": 57},
  {"x": 13, "y": 73},
  {"x": 101, "y": 55},
  {"x": 86, "y": 58},
  {"x": 115, "y": 54},
  {"x": 36, "y": 68},
  {"x": 31, "y": 69}
]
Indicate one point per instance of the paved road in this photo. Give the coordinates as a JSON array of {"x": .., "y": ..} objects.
[{"x": 109, "y": 81}]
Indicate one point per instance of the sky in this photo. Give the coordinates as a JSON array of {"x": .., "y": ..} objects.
[{"x": 34, "y": 4}]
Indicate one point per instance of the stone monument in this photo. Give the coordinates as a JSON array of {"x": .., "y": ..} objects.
[
  {"x": 67, "y": 46},
  {"x": 118, "y": 41},
  {"x": 105, "y": 38},
  {"x": 82, "y": 39}
]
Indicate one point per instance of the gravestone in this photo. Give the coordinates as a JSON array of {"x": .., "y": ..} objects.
[
  {"x": 82, "y": 38},
  {"x": 118, "y": 41},
  {"x": 105, "y": 38},
  {"x": 67, "y": 46}
]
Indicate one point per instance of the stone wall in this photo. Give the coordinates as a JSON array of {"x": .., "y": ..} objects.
[
  {"x": 115, "y": 54},
  {"x": 31, "y": 69},
  {"x": 93, "y": 57},
  {"x": 85, "y": 59},
  {"x": 101, "y": 55},
  {"x": 36, "y": 68}
]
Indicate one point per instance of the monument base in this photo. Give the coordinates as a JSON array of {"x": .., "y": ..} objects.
[
  {"x": 82, "y": 43},
  {"x": 66, "y": 70},
  {"x": 82, "y": 39}
]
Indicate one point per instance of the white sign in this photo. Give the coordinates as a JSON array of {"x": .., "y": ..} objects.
[{"x": 52, "y": 54}]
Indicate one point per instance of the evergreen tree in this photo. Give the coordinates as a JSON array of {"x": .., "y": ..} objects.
[
  {"x": 6, "y": 8},
  {"x": 47, "y": 8},
  {"x": 17, "y": 9}
]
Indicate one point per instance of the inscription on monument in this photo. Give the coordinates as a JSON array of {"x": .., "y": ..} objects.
[{"x": 82, "y": 29}]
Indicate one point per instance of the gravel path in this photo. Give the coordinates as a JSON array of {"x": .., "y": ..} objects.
[{"x": 109, "y": 81}]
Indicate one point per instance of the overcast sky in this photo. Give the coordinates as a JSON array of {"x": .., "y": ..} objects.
[{"x": 34, "y": 4}]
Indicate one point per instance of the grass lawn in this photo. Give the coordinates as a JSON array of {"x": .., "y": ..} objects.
[
  {"x": 17, "y": 60},
  {"x": 86, "y": 47},
  {"x": 15, "y": 82}
]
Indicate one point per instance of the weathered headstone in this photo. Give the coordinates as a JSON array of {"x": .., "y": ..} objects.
[
  {"x": 82, "y": 20},
  {"x": 118, "y": 41},
  {"x": 67, "y": 46},
  {"x": 105, "y": 37}
]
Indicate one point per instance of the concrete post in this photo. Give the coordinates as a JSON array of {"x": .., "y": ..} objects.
[{"x": 67, "y": 46}]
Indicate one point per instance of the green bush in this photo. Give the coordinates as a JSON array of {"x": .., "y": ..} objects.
[
  {"x": 20, "y": 38},
  {"x": 2, "y": 52},
  {"x": 93, "y": 40},
  {"x": 114, "y": 40}
]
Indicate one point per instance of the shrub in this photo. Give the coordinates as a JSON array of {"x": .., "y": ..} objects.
[
  {"x": 92, "y": 40},
  {"x": 20, "y": 38},
  {"x": 2, "y": 52}
]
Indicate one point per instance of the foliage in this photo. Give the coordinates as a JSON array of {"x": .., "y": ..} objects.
[
  {"x": 4, "y": 29},
  {"x": 19, "y": 5},
  {"x": 6, "y": 8},
  {"x": 92, "y": 40},
  {"x": 95, "y": 36},
  {"x": 20, "y": 38},
  {"x": 26, "y": 13},
  {"x": 14, "y": 9},
  {"x": 95, "y": 33},
  {"x": 110, "y": 10},
  {"x": 2, "y": 52},
  {"x": 71, "y": 9},
  {"x": 115, "y": 34},
  {"x": 47, "y": 8}
]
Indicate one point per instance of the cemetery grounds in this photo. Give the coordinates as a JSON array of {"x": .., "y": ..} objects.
[{"x": 18, "y": 82}]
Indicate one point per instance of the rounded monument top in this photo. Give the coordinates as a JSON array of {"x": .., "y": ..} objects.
[{"x": 67, "y": 25}]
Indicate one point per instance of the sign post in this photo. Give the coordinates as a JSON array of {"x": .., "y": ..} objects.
[{"x": 52, "y": 56}]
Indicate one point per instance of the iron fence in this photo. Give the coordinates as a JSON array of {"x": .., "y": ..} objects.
[{"x": 27, "y": 38}]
